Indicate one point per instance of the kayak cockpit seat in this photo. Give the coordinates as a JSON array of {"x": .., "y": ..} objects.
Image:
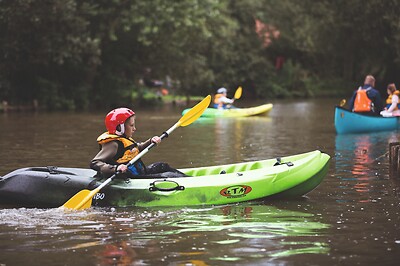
[
  {"x": 226, "y": 169},
  {"x": 245, "y": 167},
  {"x": 254, "y": 166},
  {"x": 279, "y": 162}
]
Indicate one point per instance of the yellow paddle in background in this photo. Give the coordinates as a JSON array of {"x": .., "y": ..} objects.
[
  {"x": 83, "y": 199},
  {"x": 238, "y": 93},
  {"x": 342, "y": 102}
]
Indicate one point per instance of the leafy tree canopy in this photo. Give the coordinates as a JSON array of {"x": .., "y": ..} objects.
[{"x": 70, "y": 54}]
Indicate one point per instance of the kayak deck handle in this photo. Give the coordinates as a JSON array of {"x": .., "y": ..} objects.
[
  {"x": 279, "y": 162},
  {"x": 165, "y": 186}
]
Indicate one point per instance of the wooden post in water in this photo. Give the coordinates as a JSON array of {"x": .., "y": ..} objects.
[{"x": 394, "y": 159}]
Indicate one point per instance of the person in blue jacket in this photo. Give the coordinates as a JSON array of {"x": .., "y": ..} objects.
[{"x": 366, "y": 99}]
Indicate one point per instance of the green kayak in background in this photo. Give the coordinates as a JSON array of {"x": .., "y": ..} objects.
[
  {"x": 286, "y": 177},
  {"x": 235, "y": 112}
]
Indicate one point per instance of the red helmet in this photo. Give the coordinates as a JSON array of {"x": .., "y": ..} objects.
[{"x": 115, "y": 120}]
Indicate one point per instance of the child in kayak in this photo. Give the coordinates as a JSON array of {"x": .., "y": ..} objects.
[
  {"x": 117, "y": 148},
  {"x": 221, "y": 101}
]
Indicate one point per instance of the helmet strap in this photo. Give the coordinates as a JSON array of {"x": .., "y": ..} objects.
[{"x": 120, "y": 130}]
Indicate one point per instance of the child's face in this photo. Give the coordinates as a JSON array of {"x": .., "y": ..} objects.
[{"x": 130, "y": 126}]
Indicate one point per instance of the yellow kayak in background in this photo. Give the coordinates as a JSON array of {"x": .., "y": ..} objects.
[{"x": 236, "y": 112}]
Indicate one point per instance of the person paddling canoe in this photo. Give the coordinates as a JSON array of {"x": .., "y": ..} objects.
[
  {"x": 117, "y": 148},
  {"x": 366, "y": 99}
]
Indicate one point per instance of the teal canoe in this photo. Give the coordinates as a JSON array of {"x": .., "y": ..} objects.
[
  {"x": 347, "y": 122},
  {"x": 286, "y": 177},
  {"x": 236, "y": 112}
]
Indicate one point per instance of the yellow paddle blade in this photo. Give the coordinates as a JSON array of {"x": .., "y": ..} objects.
[
  {"x": 342, "y": 102},
  {"x": 81, "y": 200},
  {"x": 238, "y": 93},
  {"x": 195, "y": 112}
]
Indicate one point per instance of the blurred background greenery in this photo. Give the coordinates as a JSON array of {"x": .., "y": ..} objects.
[{"x": 87, "y": 54}]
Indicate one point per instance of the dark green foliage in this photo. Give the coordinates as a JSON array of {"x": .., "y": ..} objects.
[{"x": 70, "y": 54}]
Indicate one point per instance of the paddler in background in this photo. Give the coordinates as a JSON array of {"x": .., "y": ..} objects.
[
  {"x": 117, "y": 148},
  {"x": 366, "y": 99},
  {"x": 392, "y": 102},
  {"x": 221, "y": 101}
]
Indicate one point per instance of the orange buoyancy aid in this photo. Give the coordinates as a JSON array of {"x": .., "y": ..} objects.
[
  {"x": 389, "y": 99},
  {"x": 217, "y": 99},
  {"x": 362, "y": 103},
  {"x": 127, "y": 150}
]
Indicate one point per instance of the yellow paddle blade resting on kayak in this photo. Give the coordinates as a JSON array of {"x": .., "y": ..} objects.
[
  {"x": 238, "y": 93},
  {"x": 83, "y": 199},
  {"x": 195, "y": 112}
]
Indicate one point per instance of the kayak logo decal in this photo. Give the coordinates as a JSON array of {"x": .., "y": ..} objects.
[{"x": 235, "y": 191}]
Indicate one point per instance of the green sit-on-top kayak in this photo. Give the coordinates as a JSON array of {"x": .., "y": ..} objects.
[
  {"x": 236, "y": 112},
  {"x": 285, "y": 177}
]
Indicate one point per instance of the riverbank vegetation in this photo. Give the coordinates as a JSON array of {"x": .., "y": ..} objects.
[{"x": 69, "y": 54}]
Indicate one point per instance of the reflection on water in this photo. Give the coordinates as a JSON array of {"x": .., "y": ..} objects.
[
  {"x": 232, "y": 139},
  {"x": 228, "y": 233},
  {"x": 252, "y": 231},
  {"x": 359, "y": 158},
  {"x": 352, "y": 218},
  {"x": 117, "y": 254}
]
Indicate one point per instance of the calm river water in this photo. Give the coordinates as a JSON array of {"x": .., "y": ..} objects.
[{"x": 352, "y": 218}]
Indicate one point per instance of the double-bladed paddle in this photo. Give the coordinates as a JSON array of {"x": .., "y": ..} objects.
[{"x": 83, "y": 199}]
